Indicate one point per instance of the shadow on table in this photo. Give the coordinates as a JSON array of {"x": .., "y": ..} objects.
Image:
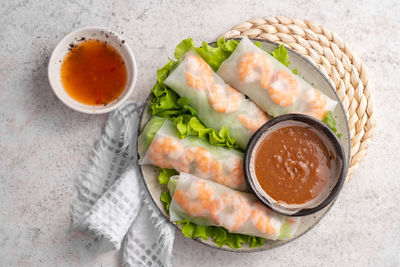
[{"x": 92, "y": 252}]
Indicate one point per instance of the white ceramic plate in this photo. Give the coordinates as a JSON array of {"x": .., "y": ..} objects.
[{"x": 310, "y": 73}]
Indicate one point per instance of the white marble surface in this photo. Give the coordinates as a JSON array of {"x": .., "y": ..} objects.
[{"x": 43, "y": 144}]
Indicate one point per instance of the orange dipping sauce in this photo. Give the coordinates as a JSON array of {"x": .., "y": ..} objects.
[
  {"x": 94, "y": 73},
  {"x": 292, "y": 165}
]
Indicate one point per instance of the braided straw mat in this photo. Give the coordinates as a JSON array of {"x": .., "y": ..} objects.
[{"x": 334, "y": 58}]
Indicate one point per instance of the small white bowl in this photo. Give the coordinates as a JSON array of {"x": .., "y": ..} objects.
[{"x": 71, "y": 40}]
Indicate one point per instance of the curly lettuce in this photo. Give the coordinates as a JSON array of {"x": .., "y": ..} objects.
[
  {"x": 148, "y": 133},
  {"x": 185, "y": 125},
  {"x": 330, "y": 121},
  {"x": 190, "y": 125},
  {"x": 281, "y": 54}
]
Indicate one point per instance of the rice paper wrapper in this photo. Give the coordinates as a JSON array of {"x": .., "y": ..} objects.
[
  {"x": 207, "y": 203},
  {"x": 216, "y": 102},
  {"x": 192, "y": 155},
  {"x": 148, "y": 133},
  {"x": 240, "y": 74},
  {"x": 289, "y": 227}
]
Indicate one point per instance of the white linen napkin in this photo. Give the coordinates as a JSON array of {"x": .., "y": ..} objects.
[{"x": 112, "y": 202}]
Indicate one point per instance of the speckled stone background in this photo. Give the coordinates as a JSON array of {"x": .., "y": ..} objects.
[{"x": 44, "y": 144}]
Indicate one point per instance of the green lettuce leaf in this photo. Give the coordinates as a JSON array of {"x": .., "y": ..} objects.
[
  {"x": 236, "y": 240},
  {"x": 281, "y": 54},
  {"x": 330, "y": 121},
  {"x": 184, "y": 47},
  {"x": 148, "y": 133},
  {"x": 188, "y": 229},
  {"x": 191, "y": 230},
  {"x": 166, "y": 103},
  {"x": 201, "y": 231},
  {"x": 258, "y": 43},
  {"x": 166, "y": 199},
  {"x": 214, "y": 56},
  {"x": 219, "y": 235},
  {"x": 189, "y": 125},
  {"x": 285, "y": 230},
  {"x": 256, "y": 241},
  {"x": 165, "y": 174},
  {"x": 163, "y": 73}
]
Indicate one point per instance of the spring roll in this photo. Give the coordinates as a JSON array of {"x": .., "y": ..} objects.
[
  {"x": 217, "y": 103},
  {"x": 192, "y": 155},
  {"x": 270, "y": 84},
  {"x": 207, "y": 203}
]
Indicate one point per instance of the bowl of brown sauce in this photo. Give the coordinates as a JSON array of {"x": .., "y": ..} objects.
[
  {"x": 92, "y": 70},
  {"x": 295, "y": 165}
]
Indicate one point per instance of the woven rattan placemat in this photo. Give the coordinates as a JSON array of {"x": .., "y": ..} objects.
[{"x": 333, "y": 57}]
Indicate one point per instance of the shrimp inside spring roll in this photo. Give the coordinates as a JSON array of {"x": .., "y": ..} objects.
[
  {"x": 217, "y": 103},
  {"x": 192, "y": 155},
  {"x": 270, "y": 84},
  {"x": 207, "y": 203}
]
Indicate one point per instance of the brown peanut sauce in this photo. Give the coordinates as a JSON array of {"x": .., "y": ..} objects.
[{"x": 292, "y": 165}]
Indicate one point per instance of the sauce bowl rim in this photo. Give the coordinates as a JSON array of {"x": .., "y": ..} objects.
[{"x": 314, "y": 123}]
